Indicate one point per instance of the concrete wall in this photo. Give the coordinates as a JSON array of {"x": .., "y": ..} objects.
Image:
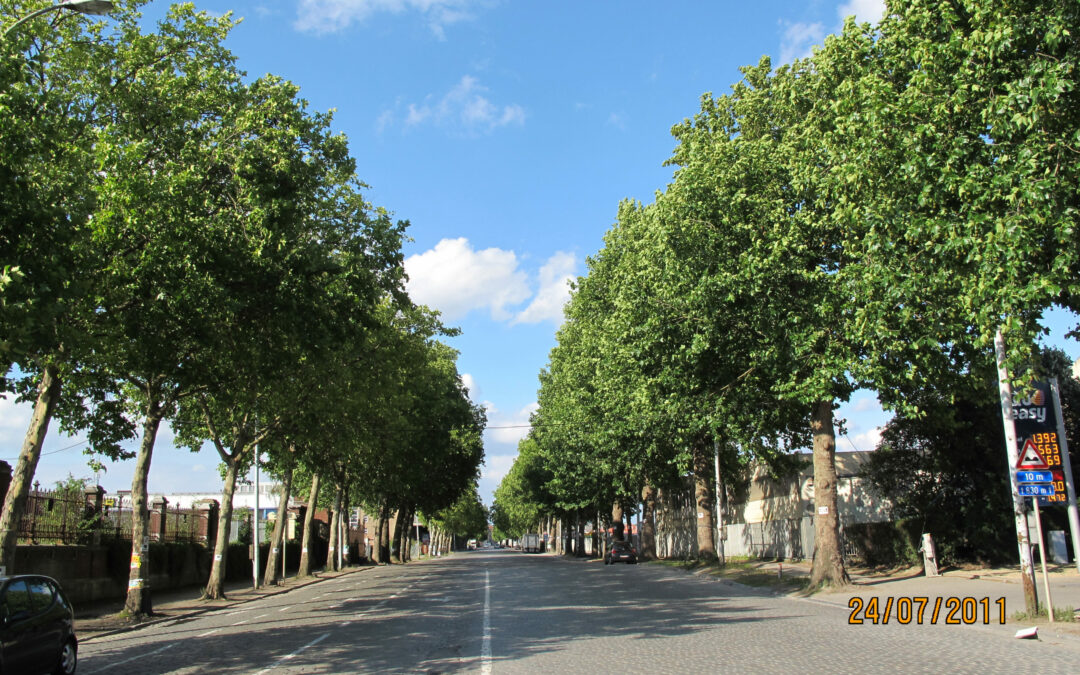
[
  {"x": 776, "y": 518},
  {"x": 96, "y": 573}
]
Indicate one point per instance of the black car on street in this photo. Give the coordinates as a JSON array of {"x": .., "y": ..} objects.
[
  {"x": 37, "y": 627},
  {"x": 621, "y": 551}
]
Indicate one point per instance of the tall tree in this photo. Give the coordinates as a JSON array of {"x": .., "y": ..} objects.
[{"x": 50, "y": 93}]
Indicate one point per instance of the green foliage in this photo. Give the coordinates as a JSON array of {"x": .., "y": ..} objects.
[
  {"x": 945, "y": 472},
  {"x": 889, "y": 543},
  {"x": 467, "y": 518},
  {"x": 522, "y": 499}
]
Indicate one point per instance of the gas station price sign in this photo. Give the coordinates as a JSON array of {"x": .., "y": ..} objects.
[{"x": 1039, "y": 449}]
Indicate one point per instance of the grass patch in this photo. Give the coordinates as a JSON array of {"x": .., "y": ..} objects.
[
  {"x": 691, "y": 565},
  {"x": 1061, "y": 615},
  {"x": 744, "y": 571},
  {"x": 763, "y": 579}
]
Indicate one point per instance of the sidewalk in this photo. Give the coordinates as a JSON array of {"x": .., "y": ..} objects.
[
  {"x": 991, "y": 583},
  {"x": 102, "y": 619}
]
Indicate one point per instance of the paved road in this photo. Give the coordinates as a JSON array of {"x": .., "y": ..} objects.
[{"x": 504, "y": 612}]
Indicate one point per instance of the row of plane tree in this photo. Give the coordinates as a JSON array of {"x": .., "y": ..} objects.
[
  {"x": 183, "y": 244},
  {"x": 870, "y": 217}
]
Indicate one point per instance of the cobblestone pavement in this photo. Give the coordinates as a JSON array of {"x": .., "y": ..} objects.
[
  {"x": 506, "y": 612},
  {"x": 649, "y": 618}
]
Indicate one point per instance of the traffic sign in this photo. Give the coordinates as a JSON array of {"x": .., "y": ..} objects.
[
  {"x": 1030, "y": 457},
  {"x": 1034, "y": 476},
  {"x": 1036, "y": 490}
]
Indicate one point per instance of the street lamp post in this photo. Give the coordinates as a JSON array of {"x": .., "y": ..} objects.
[{"x": 93, "y": 7}]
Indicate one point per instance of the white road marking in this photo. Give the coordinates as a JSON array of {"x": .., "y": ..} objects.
[
  {"x": 285, "y": 609},
  {"x": 134, "y": 658},
  {"x": 209, "y": 632},
  {"x": 485, "y": 648},
  {"x": 285, "y": 658}
]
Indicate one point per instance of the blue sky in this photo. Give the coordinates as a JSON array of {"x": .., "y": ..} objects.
[{"x": 507, "y": 132}]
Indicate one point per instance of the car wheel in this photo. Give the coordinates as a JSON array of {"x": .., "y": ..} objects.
[{"x": 69, "y": 659}]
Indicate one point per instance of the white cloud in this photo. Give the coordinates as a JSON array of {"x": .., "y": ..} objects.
[
  {"x": 328, "y": 16},
  {"x": 864, "y": 11},
  {"x": 469, "y": 383},
  {"x": 866, "y": 404},
  {"x": 866, "y": 441},
  {"x": 555, "y": 278},
  {"x": 384, "y": 121},
  {"x": 509, "y": 429},
  {"x": 455, "y": 279},
  {"x": 798, "y": 40},
  {"x": 496, "y": 467},
  {"x": 466, "y": 107}
]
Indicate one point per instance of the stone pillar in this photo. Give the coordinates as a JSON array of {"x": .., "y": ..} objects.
[
  {"x": 5, "y": 479},
  {"x": 294, "y": 521},
  {"x": 93, "y": 499},
  {"x": 208, "y": 521},
  {"x": 158, "y": 510}
]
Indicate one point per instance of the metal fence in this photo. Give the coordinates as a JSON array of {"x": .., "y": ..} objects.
[
  {"x": 166, "y": 525},
  {"x": 68, "y": 517},
  {"x": 55, "y": 516}
]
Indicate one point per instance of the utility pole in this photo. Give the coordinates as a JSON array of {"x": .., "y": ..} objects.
[
  {"x": 255, "y": 522},
  {"x": 719, "y": 511},
  {"x": 1023, "y": 538},
  {"x": 1066, "y": 466}
]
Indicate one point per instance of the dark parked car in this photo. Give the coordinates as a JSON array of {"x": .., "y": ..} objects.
[
  {"x": 37, "y": 627},
  {"x": 621, "y": 551}
]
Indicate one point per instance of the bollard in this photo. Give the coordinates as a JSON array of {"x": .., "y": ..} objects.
[{"x": 930, "y": 568}]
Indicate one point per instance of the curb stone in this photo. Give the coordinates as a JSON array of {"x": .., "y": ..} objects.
[{"x": 90, "y": 635}]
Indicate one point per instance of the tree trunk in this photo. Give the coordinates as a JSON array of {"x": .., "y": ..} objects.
[
  {"x": 138, "y": 602},
  {"x": 580, "y": 543},
  {"x": 828, "y": 567},
  {"x": 384, "y": 536},
  {"x": 346, "y": 544},
  {"x": 335, "y": 530},
  {"x": 399, "y": 530},
  {"x": 706, "y": 543},
  {"x": 278, "y": 544},
  {"x": 618, "y": 530},
  {"x": 406, "y": 533},
  {"x": 596, "y": 537},
  {"x": 308, "y": 540},
  {"x": 215, "y": 586},
  {"x": 376, "y": 548},
  {"x": 648, "y": 522},
  {"x": 15, "y": 502}
]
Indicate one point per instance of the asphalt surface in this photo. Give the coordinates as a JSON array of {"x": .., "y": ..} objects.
[{"x": 508, "y": 612}]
